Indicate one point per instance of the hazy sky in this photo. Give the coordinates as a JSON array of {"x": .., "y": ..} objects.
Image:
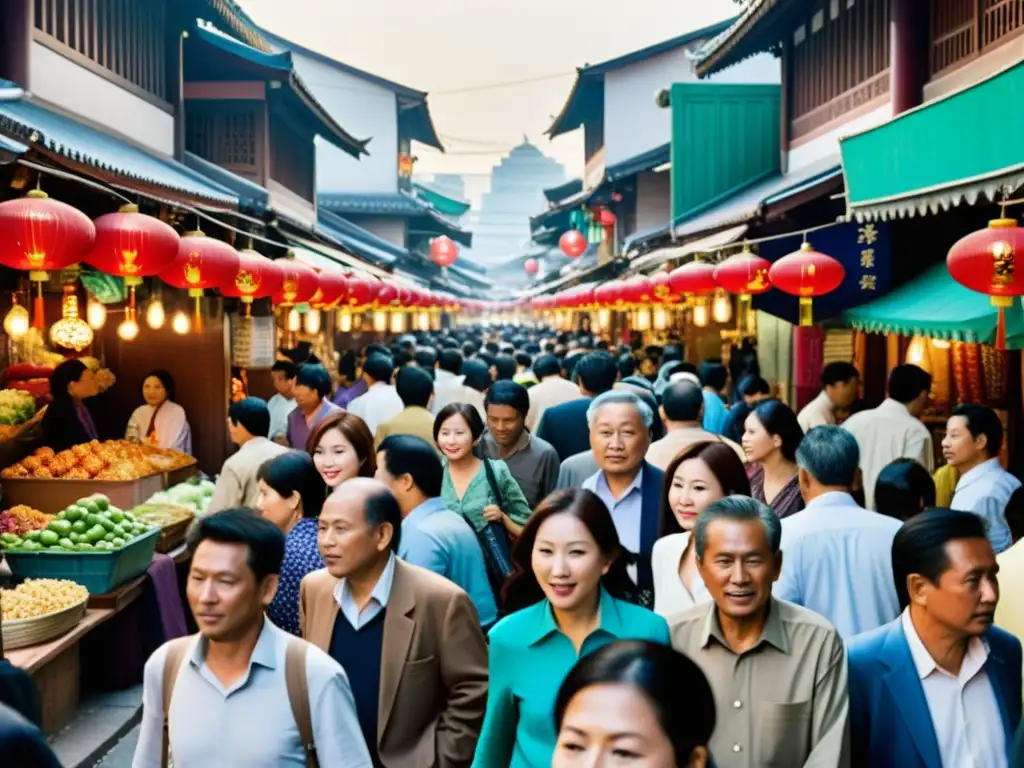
[{"x": 450, "y": 45}]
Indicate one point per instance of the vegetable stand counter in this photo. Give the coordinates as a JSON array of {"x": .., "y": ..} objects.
[{"x": 56, "y": 665}]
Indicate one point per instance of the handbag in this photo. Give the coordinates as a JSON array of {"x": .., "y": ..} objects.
[{"x": 494, "y": 539}]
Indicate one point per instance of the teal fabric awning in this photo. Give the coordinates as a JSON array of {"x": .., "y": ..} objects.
[
  {"x": 936, "y": 306},
  {"x": 956, "y": 149}
]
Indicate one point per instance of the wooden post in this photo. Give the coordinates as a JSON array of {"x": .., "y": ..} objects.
[{"x": 906, "y": 70}]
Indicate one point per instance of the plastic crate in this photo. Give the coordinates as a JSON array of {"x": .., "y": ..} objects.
[{"x": 99, "y": 572}]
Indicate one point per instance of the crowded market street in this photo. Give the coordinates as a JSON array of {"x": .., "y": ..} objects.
[{"x": 645, "y": 392}]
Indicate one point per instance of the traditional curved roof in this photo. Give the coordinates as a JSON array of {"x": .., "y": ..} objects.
[{"x": 588, "y": 90}]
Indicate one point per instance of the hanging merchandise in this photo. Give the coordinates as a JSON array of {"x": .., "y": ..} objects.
[
  {"x": 299, "y": 283},
  {"x": 257, "y": 277},
  {"x": 602, "y": 225},
  {"x": 201, "y": 263},
  {"x": 806, "y": 273},
  {"x": 38, "y": 234},
  {"x": 986, "y": 261}
]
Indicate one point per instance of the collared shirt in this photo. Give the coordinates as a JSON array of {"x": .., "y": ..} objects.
[
  {"x": 549, "y": 392},
  {"x": 670, "y": 594},
  {"x": 479, "y": 494},
  {"x": 1010, "y": 608},
  {"x": 884, "y": 434},
  {"x": 965, "y": 713},
  {"x": 345, "y": 395},
  {"x": 251, "y": 720},
  {"x": 529, "y": 659},
  {"x": 662, "y": 452},
  {"x": 533, "y": 463},
  {"x": 784, "y": 702},
  {"x": 715, "y": 412},
  {"x": 379, "y": 404},
  {"x": 985, "y": 491},
  {"x": 279, "y": 407},
  {"x": 819, "y": 412},
  {"x": 378, "y": 597},
  {"x": 435, "y": 538},
  {"x": 413, "y": 420},
  {"x": 626, "y": 511},
  {"x": 837, "y": 561},
  {"x": 237, "y": 484},
  {"x": 299, "y": 427}
]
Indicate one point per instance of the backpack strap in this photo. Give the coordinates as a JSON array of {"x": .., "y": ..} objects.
[
  {"x": 176, "y": 651},
  {"x": 298, "y": 697}
]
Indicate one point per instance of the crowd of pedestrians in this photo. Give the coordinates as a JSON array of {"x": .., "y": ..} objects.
[{"x": 504, "y": 547}]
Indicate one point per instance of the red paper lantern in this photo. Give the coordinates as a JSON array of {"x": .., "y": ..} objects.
[
  {"x": 201, "y": 263},
  {"x": 133, "y": 245},
  {"x": 387, "y": 296},
  {"x": 696, "y": 278},
  {"x": 604, "y": 217},
  {"x": 744, "y": 274},
  {"x": 298, "y": 284},
  {"x": 257, "y": 277},
  {"x": 531, "y": 266},
  {"x": 661, "y": 288},
  {"x": 39, "y": 234},
  {"x": 332, "y": 290},
  {"x": 986, "y": 261},
  {"x": 638, "y": 290},
  {"x": 443, "y": 251},
  {"x": 573, "y": 243},
  {"x": 806, "y": 273}
]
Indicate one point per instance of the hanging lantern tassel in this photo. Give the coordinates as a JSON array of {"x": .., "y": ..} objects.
[
  {"x": 197, "y": 309},
  {"x": 806, "y": 311},
  {"x": 1002, "y": 303},
  {"x": 38, "y": 308}
]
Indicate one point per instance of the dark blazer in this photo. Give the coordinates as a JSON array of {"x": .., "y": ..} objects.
[
  {"x": 22, "y": 743},
  {"x": 565, "y": 427},
  {"x": 890, "y": 724},
  {"x": 650, "y": 489}
]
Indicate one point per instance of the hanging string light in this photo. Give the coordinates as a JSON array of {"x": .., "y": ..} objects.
[
  {"x": 71, "y": 331},
  {"x": 95, "y": 314},
  {"x": 16, "y": 323},
  {"x": 180, "y": 324}
]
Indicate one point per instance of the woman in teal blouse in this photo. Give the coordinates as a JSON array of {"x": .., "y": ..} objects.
[
  {"x": 567, "y": 591},
  {"x": 465, "y": 488}
]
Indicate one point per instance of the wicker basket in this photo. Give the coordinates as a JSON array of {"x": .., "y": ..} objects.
[
  {"x": 20, "y": 633},
  {"x": 173, "y": 535}
]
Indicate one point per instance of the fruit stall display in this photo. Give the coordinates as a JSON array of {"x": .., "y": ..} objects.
[
  {"x": 91, "y": 542},
  {"x": 126, "y": 472},
  {"x": 194, "y": 495},
  {"x": 40, "y": 609},
  {"x": 21, "y": 519}
]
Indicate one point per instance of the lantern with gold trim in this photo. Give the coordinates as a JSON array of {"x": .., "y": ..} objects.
[
  {"x": 986, "y": 261},
  {"x": 298, "y": 283},
  {"x": 744, "y": 274},
  {"x": 806, "y": 273},
  {"x": 202, "y": 263},
  {"x": 38, "y": 234},
  {"x": 256, "y": 278}
]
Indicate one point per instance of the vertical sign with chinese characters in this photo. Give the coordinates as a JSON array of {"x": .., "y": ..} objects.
[{"x": 862, "y": 249}]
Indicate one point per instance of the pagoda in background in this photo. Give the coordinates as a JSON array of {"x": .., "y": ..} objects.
[{"x": 502, "y": 224}]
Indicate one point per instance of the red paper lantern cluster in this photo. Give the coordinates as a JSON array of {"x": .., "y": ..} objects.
[
  {"x": 806, "y": 273},
  {"x": 331, "y": 291},
  {"x": 695, "y": 278},
  {"x": 986, "y": 261},
  {"x": 201, "y": 262},
  {"x": 257, "y": 277},
  {"x": 299, "y": 283}
]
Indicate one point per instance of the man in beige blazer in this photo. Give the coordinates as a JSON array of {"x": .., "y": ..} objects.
[
  {"x": 409, "y": 640},
  {"x": 248, "y": 426}
]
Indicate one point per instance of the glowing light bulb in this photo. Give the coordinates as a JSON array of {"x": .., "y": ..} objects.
[
  {"x": 344, "y": 321},
  {"x": 16, "y": 322},
  {"x": 380, "y": 322},
  {"x": 293, "y": 322},
  {"x": 700, "y": 315},
  {"x": 721, "y": 309},
  {"x": 155, "y": 315},
  {"x": 128, "y": 330},
  {"x": 180, "y": 323},
  {"x": 311, "y": 322},
  {"x": 397, "y": 322},
  {"x": 96, "y": 315}
]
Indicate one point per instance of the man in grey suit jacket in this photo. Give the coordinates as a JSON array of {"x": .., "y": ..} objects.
[{"x": 575, "y": 470}]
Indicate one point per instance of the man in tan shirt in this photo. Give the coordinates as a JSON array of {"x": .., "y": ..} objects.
[
  {"x": 682, "y": 404},
  {"x": 551, "y": 390},
  {"x": 778, "y": 671},
  {"x": 248, "y": 426}
]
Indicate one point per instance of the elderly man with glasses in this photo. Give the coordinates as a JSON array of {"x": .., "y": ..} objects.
[{"x": 620, "y": 434}]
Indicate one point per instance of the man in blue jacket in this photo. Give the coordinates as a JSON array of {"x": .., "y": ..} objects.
[{"x": 940, "y": 686}]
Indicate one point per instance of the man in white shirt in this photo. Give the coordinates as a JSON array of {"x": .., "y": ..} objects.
[
  {"x": 974, "y": 437},
  {"x": 551, "y": 389},
  {"x": 836, "y": 555},
  {"x": 283, "y": 373},
  {"x": 938, "y": 687},
  {"x": 682, "y": 404},
  {"x": 840, "y": 384},
  {"x": 893, "y": 430},
  {"x": 381, "y": 401}
]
